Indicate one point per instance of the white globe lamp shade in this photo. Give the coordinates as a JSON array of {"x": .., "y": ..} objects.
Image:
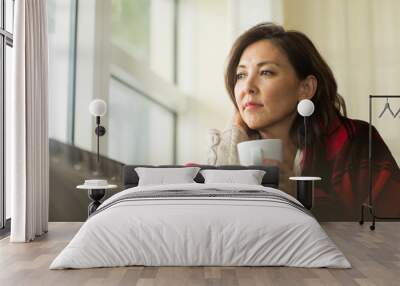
[
  {"x": 98, "y": 107},
  {"x": 305, "y": 107}
]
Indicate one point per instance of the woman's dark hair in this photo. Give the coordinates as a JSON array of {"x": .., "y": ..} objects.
[{"x": 306, "y": 61}]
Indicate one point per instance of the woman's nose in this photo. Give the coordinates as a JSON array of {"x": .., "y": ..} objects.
[{"x": 250, "y": 86}]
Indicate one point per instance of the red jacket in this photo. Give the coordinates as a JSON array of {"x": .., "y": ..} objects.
[{"x": 341, "y": 159}]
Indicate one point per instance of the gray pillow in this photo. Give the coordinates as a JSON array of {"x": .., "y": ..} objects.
[
  {"x": 163, "y": 176},
  {"x": 248, "y": 177}
]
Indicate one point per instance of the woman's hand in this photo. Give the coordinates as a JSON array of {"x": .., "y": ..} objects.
[
  {"x": 284, "y": 168},
  {"x": 238, "y": 122}
]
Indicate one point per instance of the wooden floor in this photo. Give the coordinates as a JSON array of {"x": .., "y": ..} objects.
[{"x": 375, "y": 257}]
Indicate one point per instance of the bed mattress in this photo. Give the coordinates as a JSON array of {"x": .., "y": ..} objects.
[{"x": 201, "y": 225}]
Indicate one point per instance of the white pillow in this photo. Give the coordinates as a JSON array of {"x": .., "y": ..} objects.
[
  {"x": 163, "y": 176},
  {"x": 248, "y": 177}
]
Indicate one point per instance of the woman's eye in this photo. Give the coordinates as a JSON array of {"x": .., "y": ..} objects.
[
  {"x": 240, "y": 75},
  {"x": 267, "y": 73}
]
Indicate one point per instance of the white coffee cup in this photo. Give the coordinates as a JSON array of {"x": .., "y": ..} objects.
[{"x": 253, "y": 152}]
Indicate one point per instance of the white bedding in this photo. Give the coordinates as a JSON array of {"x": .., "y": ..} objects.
[{"x": 200, "y": 231}]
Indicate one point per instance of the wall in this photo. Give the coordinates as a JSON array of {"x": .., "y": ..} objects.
[
  {"x": 203, "y": 46},
  {"x": 359, "y": 40}
]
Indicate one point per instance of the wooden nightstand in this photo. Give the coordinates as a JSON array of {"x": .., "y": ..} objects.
[
  {"x": 95, "y": 193},
  {"x": 305, "y": 190}
]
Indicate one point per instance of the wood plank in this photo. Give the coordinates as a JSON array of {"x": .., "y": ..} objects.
[{"x": 375, "y": 257}]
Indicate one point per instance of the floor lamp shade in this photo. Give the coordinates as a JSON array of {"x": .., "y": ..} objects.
[
  {"x": 98, "y": 107},
  {"x": 305, "y": 107}
]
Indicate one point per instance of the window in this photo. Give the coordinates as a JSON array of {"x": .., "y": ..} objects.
[
  {"x": 146, "y": 30},
  {"x": 6, "y": 43},
  {"x": 80, "y": 69},
  {"x": 141, "y": 130},
  {"x": 131, "y": 27}
]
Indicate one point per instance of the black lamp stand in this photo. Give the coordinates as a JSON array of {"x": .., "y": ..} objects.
[
  {"x": 305, "y": 132},
  {"x": 96, "y": 195},
  {"x": 100, "y": 131},
  {"x": 305, "y": 193}
]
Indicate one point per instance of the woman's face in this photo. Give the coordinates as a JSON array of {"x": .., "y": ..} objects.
[{"x": 267, "y": 88}]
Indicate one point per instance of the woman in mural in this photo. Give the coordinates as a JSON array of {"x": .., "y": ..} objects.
[{"x": 269, "y": 71}]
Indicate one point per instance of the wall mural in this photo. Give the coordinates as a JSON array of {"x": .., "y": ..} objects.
[{"x": 292, "y": 95}]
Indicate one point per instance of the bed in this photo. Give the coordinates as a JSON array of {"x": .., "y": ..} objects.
[{"x": 201, "y": 224}]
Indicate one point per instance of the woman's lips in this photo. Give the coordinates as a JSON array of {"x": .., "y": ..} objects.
[{"x": 252, "y": 105}]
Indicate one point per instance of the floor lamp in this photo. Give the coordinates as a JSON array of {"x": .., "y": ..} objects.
[
  {"x": 305, "y": 184},
  {"x": 98, "y": 108},
  {"x": 97, "y": 187}
]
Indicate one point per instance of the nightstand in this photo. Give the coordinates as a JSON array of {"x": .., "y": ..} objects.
[
  {"x": 95, "y": 193},
  {"x": 305, "y": 190}
]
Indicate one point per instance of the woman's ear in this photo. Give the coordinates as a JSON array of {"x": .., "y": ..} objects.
[{"x": 308, "y": 87}]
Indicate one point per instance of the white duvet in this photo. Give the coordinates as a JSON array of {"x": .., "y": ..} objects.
[{"x": 200, "y": 231}]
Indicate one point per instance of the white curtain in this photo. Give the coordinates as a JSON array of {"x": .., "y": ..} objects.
[{"x": 27, "y": 134}]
